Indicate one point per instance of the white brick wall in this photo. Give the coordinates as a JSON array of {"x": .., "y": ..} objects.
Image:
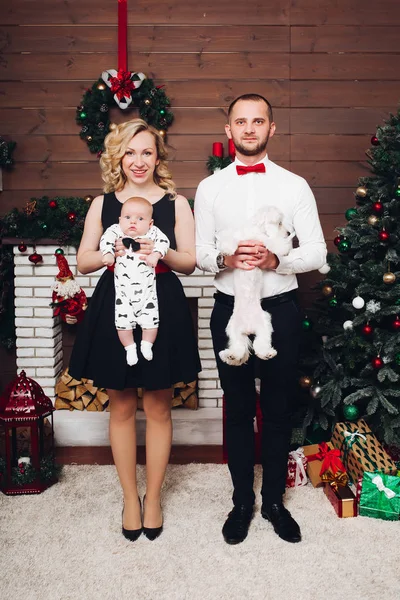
[{"x": 39, "y": 344}]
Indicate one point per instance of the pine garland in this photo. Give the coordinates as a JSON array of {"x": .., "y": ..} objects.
[{"x": 6, "y": 151}]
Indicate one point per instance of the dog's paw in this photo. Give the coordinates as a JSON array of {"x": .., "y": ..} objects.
[
  {"x": 264, "y": 352},
  {"x": 230, "y": 358}
]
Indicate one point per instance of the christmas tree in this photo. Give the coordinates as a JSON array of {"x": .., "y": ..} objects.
[{"x": 352, "y": 364}]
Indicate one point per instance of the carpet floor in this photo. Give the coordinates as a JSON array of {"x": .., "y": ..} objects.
[{"x": 66, "y": 544}]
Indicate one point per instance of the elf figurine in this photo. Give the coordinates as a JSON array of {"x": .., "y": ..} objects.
[{"x": 68, "y": 299}]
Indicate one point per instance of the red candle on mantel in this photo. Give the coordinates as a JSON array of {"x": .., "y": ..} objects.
[
  {"x": 218, "y": 149},
  {"x": 231, "y": 149}
]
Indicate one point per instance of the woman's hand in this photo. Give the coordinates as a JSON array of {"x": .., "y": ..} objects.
[
  {"x": 119, "y": 248},
  {"x": 146, "y": 247}
]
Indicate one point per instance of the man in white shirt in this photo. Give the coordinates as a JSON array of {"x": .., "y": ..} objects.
[{"x": 226, "y": 200}]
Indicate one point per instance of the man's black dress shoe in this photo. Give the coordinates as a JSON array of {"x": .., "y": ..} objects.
[
  {"x": 283, "y": 523},
  {"x": 237, "y": 524}
]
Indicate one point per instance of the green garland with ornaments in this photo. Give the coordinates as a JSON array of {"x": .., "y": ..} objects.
[
  {"x": 24, "y": 473},
  {"x": 60, "y": 219},
  {"x": 92, "y": 114}
]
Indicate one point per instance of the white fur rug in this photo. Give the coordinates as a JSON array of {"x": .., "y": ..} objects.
[{"x": 66, "y": 544}]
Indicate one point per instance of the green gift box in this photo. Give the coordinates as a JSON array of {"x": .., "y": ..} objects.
[{"x": 380, "y": 496}]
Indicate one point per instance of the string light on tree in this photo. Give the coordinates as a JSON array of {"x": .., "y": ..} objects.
[{"x": 305, "y": 381}]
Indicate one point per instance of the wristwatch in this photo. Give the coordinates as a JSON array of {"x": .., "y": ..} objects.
[{"x": 221, "y": 261}]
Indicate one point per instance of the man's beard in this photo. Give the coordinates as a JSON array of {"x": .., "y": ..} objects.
[{"x": 261, "y": 146}]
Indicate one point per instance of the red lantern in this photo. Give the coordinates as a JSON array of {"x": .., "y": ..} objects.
[
  {"x": 383, "y": 235},
  {"x": 367, "y": 330},
  {"x": 396, "y": 324},
  {"x": 23, "y": 405},
  {"x": 377, "y": 362},
  {"x": 377, "y": 207}
]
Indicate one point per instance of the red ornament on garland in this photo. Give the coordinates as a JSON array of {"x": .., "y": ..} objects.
[
  {"x": 71, "y": 216},
  {"x": 337, "y": 240},
  {"x": 377, "y": 207},
  {"x": 35, "y": 258},
  {"x": 374, "y": 141},
  {"x": 53, "y": 204},
  {"x": 383, "y": 235},
  {"x": 367, "y": 330},
  {"x": 22, "y": 247},
  {"x": 377, "y": 362},
  {"x": 396, "y": 324}
]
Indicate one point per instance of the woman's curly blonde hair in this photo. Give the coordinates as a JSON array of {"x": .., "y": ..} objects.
[{"x": 115, "y": 145}]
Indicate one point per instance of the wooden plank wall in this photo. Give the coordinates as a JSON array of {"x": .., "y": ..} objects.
[{"x": 330, "y": 69}]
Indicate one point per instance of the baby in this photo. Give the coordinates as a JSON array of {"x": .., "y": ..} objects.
[{"x": 135, "y": 283}]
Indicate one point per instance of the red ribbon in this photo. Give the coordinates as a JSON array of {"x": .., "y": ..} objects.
[
  {"x": 330, "y": 459},
  {"x": 122, "y": 85},
  {"x": 122, "y": 36}
]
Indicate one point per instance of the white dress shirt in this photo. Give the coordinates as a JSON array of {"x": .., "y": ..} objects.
[{"x": 227, "y": 200}]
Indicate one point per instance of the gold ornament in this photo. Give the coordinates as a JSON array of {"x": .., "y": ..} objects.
[
  {"x": 101, "y": 86},
  {"x": 389, "y": 278},
  {"x": 305, "y": 381},
  {"x": 327, "y": 290},
  {"x": 373, "y": 219},
  {"x": 30, "y": 207},
  {"x": 147, "y": 101},
  {"x": 89, "y": 138},
  {"x": 162, "y": 132},
  {"x": 88, "y": 198},
  {"x": 361, "y": 191}
]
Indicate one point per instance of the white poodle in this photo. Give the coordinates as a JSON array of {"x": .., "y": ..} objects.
[{"x": 248, "y": 317}]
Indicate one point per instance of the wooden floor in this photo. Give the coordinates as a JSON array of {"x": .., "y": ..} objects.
[{"x": 101, "y": 455}]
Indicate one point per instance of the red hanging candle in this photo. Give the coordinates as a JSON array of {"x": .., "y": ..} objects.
[
  {"x": 231, "y": 149},
  {"x": 218, "y": 149}
]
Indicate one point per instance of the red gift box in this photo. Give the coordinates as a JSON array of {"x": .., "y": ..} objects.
[
  {"x": 297, "y": 464},
  {"x": 342, "y": 499}
]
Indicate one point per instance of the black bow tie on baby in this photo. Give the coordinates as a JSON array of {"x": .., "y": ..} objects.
[
  {"x": 131, "y": 243},
  {"x": 258, "y": 168}
]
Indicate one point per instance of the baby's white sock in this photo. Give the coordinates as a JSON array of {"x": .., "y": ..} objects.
[
  {"x": 147, "y": 350},
  {"x": 131, "y": 355}
]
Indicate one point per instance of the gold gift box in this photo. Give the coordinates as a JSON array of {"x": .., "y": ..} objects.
[
  {"x": 364, "y": 452},
  {"x": 342, "y": 499}
]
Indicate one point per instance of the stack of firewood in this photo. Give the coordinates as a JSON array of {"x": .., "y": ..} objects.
[{"x": 72, "y": 394}]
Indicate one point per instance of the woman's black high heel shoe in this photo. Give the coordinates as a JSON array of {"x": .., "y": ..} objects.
[
  {"x": 151, "y": 533},
  {"x": 131, "y": 534}
]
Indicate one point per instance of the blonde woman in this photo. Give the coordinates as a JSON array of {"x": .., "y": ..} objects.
[{"x": 134, "y": 164}]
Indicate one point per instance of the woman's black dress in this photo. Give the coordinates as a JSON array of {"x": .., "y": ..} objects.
[{"x": 99, "y": 355}]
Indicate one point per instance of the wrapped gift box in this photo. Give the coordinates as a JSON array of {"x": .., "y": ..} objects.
[
  {"x": 297, "y": 463},
  {"x": 314, "y": 464},
  {"x": 342, "y": 499},
  {"x": 361, "y": 450},
  {"x": 380, "y": 496}
]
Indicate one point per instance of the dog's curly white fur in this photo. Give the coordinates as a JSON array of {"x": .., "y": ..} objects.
[{"x": 248, "y": 317}]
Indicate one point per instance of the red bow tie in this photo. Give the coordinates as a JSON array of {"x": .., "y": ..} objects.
[{"x": 259, "y": 168}]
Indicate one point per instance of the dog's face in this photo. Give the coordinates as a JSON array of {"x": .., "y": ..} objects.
[{"x": 270, "y": 219}]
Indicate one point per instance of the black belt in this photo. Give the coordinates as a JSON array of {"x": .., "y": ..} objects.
[{"x": 266, "y": 303}]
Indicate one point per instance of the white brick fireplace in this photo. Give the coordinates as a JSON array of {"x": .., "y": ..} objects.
[{"x": 40, "y": 353}]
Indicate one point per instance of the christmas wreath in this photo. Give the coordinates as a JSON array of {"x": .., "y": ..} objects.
[{"x": 124, "y": 89}]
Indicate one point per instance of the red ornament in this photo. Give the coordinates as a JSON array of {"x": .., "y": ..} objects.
[
  {"x": 377, "y": 362},
  {"x": 35, "y": 258},
  {"x": 377, "y": 207},
  {"x": 71, "y": 216},
  {"x": 396, "y": 324},
  {"x": 53, "y": 204},
  {"x": 367, "y": 329},
  {"x": 374, "y": 141},
  {"x": 383, "y": 235},
  {"x": 22, "y": 247},
  {"x": 337, "y": 240}
]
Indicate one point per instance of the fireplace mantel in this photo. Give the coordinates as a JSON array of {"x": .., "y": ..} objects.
[{"x": 40, "y": 353}]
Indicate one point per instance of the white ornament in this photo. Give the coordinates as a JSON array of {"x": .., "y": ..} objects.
[
  {"x": 348, "y": 325},
  {"x": 358, "y": 302},
  {"x": 324, "y": 269},
  {"x": 373, "y": 307}
]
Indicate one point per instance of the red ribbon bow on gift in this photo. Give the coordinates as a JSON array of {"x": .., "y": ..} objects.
[
  {"x": 258, "y": 168},
  {"x": 330, "y": 459},
  {"x": 122, "y": 85}
]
